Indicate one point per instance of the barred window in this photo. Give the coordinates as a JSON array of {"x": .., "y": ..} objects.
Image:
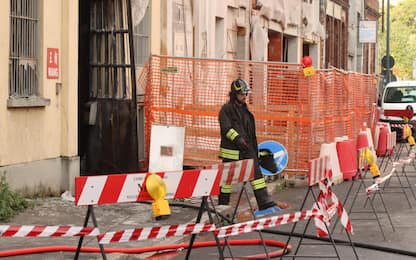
[{"x": 23, "y": 60}]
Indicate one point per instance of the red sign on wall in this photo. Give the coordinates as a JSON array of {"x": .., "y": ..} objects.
[{"x": 52, "y": 63}]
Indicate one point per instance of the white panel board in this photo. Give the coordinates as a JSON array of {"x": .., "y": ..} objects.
[
  {"x": 368, "y": 32},
  {"x": 166, "y": 148}
]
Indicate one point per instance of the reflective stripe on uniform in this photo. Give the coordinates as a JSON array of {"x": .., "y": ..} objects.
[
  {"x": 263, "y": 153},
  {"x": 231, "y": 134},
  {"x": 229, "y": 154},
  {"x": 226, "y": 189},
  {"x": 258, "y": 184}
]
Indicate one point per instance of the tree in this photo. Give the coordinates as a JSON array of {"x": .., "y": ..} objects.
[{"x": 402, "y": 38}]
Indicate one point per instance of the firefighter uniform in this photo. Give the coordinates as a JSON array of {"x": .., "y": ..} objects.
[{"x": 239, "y": 141}]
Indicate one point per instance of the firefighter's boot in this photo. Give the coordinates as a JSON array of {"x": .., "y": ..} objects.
[{"x": 225, "y": 194}]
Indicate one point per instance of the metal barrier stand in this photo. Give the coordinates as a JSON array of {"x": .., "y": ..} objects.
[
  {"x": 90, "y": 212},
  {"x": 369, "y": 198},
  {"x": 318, "y": 172},
  {"x": 229, "y": 168}
]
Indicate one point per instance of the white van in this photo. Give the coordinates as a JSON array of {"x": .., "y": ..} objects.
[{"x": 397, "y": 95}]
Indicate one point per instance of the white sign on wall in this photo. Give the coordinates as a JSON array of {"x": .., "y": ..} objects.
[
  {"x": 368, "y": 32},
  {"x": 166, "y": 148}
]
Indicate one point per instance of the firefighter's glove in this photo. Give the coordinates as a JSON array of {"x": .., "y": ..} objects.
[
  {"x": 267, "y": 161},
  {"x": 241, "y": 143}
]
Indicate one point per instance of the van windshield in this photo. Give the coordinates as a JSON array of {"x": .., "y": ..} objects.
[{"x": 400, "y": 95}]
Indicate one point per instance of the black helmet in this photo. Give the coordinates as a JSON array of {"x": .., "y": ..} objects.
[{"x": 240, "y": 86}]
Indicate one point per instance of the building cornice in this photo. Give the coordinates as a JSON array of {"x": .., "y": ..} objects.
[{"x": 372, "y": 12}]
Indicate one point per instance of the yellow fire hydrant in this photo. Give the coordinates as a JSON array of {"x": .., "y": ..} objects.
[{"x": 156, "y": 188}]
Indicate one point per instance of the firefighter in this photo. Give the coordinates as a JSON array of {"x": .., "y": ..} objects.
[{"x": 238, "y": 142}]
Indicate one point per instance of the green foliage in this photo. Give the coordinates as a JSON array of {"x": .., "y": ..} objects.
[
  {"x": 402, "y": 38},
  {"x": 11, "y": 203}
]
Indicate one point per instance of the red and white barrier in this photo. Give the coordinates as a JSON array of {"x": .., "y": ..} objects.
[
  {"x": 234, "y": 172},
  {"x": 330, "y": 150},
  {"x": 146, "y": 233},
  {"x": 46, "y": 231},
  {"x": 318, "y": 170},
  {"x": 118, "y": 188}
]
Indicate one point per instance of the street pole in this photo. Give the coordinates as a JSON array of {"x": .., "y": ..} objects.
[{"x": 388, "y": 41}]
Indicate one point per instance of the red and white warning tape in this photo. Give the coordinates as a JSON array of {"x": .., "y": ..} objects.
[
  {"x": 146, "y": 233},
  {"x": 374, "y": 187},
  {"x": 262, "y": 223},
  {"x": 329, "y": 204},
  {"x": 406, "y": 160},
  {"x": 401, "y": 125},
  {"x": 46, "y": 231}
]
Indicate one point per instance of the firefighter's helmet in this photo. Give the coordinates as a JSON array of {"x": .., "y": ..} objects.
[{"x": 240, "y": 86}]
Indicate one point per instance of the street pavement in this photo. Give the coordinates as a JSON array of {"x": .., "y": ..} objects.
[{"x": 368, "y": 237}]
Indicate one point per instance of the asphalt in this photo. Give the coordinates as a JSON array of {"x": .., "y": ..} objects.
[{"x": 399, "y": 243}]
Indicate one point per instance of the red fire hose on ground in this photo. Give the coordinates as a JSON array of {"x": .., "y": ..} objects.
[{"x": 172, "y": 249}]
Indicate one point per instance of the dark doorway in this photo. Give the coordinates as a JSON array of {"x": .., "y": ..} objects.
[{"x": 107, "y": 110}]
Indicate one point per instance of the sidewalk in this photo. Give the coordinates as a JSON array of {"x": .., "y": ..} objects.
[{"x": 55, "y": 211}]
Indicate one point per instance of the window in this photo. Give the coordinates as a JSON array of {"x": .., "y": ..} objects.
[
  {"x": 401, "y": 95},
  {"x": 141, "y": 39},
  {"x": 23, "y": 55}
]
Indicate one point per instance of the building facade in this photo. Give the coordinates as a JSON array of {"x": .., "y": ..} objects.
[
  {"x": 53, "y": 54},
  {"x": 267, "y": 30},
  {"x": 38, "y": 104}
]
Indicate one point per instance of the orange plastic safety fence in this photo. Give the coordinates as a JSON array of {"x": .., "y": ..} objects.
[{"x": 299, "y": 112}]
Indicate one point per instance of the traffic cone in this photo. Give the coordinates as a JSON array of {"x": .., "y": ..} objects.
[
  {"x": 382, "y": 142},
  {"x": 379, "y": 126},
  {"x": 362, "y": 140}
]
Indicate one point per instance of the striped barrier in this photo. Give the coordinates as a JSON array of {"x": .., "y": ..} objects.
[
  {"x": 318, "y": 170},
  {"x": 122, "y": 188}
]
